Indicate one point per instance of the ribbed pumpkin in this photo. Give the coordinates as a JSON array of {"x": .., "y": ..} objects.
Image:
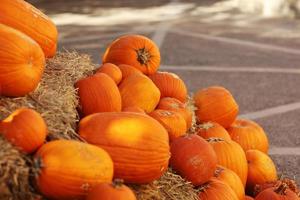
[
  {"x": 231, "y": 155},
  {"x": 281, "y": 192},
  {"x": 112, "y": 71},
  {"x": 135, "y": 50},
  {"x": 248, "y": 198},
  {"x": 249, "y": 135},
  {"x": 23, "y": 16},
  {"x": 138, "y": 144},
  {"x": 173, "y": 122},
  {"x": 128, "y": 70},
  {"x": 215, "y": 189},
  {"x": 138, "y": 90},
  {"x": 212, "y": 129},
  {"x": 261, "y": 169},
  {"x": 111, "y": 191},
  {"x": 216, "y": 104},
  {"x": 232, "y": 179},
  {"x": 98, "y": 93},
  {"x": 193, "y": 158},
  {"x": 134, "y": 109},
  {"x": 170, "y": 85},
  {"x": 25, "y": 128},
  {"x": 68, "y": 169},
  {"x": 22, "y": 62}
]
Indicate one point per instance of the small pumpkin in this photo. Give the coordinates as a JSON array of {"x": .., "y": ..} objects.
[
  {"x": 98, "y": 93},
  {"x": 170, "y": 85},
  {"x": 134, "y": 109},
  {"x": 135, "y": 50},
  {"x": 68, "y": 169},
  {"x": 128, "y": 70},
  {"x": 25, "y": 128},
  {"x": 193, "y": 158},
  {"x": 216, "y": 104},
  {"x": 112, "y": 71},
  {"x": 280, "y": 192},
  {"x": 212, "y": 129},
  {"x": 248, "y": 198}
]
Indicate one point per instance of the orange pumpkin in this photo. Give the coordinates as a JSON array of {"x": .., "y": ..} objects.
[
  {"x": 111, "y": 70},
  {"x": 281, "y": 192},
  {"x": 98, "y": 93},
  {"x": 111, "y": 191},
  {"x": 135, "y": 50},
  {"x": 170, "y": 85},
  {"x": 68, "y": 169},
  {"x": 138, "y": 144},
  {"x": 231, "y": 155},
  {"x": 134, "y": 109},
  {"x": 23, "y": 16},
  {"x": 248, "y": 198},
  {"x": 249, "y": 135},
  {"x": 193, "y": 158},
  {"x": 22, "y": 62},
  {"x": 128, "y": 70},
  {"x": 138, "y": 90},
  {"x": 216, "y": 104},
  {"x": 173, "y": 122},
  {"x": 25, "y": 128},
  {"x": 212, "y": 129}
]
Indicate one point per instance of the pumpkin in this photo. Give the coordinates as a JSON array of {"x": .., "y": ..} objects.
[
  {"x": 261, "y": 169},
  {"x": 25, "y": 128},
  {"x": 248, "y": 198},
  {"x": 216, "y": 104},
  {"x": 138, "y": 144},
  {"x": 170, "y": 85},
  {"x": 26, "y": 18},
  {"x": 193, "y": 158},
  {"x": 138, "y": 90},
  {"x": 212, "y": 129},
  {"x": 111, "y": 191},
  {"x": 281, "y": 192},
  {"x": 249, "y": 135},
  {"x": 231, "y": 155},
  {"x": 112, "y": 71},
  {"x": 128, "y": 70},
  {"x": 169, "y": 103},
  {"x": 68, "y": 169},
  {"x": 22, "y": 62},
  {"x": 98, "y": 93},
  {"x": 134, "y": 109},
  {"x": 173, "y": 122},
  {"x": 232, "y": 179},
  {"x": 216, "y": 190}
]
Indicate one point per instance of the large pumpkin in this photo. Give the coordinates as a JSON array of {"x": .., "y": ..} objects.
[
  {"x": 280, "y": 192},
  {"x": 137, "y": 143},
  {"x": 111, "y": 70},
  {"x": 68, "y": 169},
  {"x": 23, "y": 16},
  {"x": 128, "y": 70},
  {"x": 248, "y": 198},
  {"x": 212, "y": 129},
  {"x": 22, "y": 62}
]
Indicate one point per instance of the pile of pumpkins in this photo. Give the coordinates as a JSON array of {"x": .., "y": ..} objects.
[{"x": 134, "y": 121}]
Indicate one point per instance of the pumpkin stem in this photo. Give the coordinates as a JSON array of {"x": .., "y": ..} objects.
[
  {"x": 143, "y": 56},
  {"x": 206, "y": 126},
  {"x": 214, "y": 139},
  {"x": 281, "y": 189},
  {"x": 218, "y": 171},
  {"x": 117, "y": 183},
  {"x": 165, "y": 113}
]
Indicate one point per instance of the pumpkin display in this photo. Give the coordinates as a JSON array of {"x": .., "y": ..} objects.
[
  {"x": 26, "y": 18},
  {"x": 138, "y": 144},
  {"x": 98, "y": 93},
  {"x": 173, "y": 122},
  {"x": 216, "y": 104},
  {"x": 128, "y": 70},
  {"x": 231, "y": 155},
  {"x": 68, "y": 169},
  {"x": 170, "y": 85},
  {"x": 212, "y": 129},
  {"x": 25, "y": 128},
  {"x": 22, "y": 62},
  {"x": 280, "y": 192},
  {"x": 134, "y": 109},
  {"x": 112, "y": 71},
  {"x": 138, "y": 90},
  {"x": 249, "y": 135},
  {"x": 135, "y": 50},
  {"x": 248, "y": 198},
  {"x": 193, "y": 158}
]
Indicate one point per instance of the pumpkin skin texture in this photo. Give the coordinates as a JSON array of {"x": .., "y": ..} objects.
[
  {"x": 170, "y": 85},
  {"x": 289, "y": 182},
  {"x": 138, "y": 144},
  {"x": 280, "y": 192},
  {"x": 193, "y": 158},
  {"x": 249, "y": 135},
  {"x": 231, "y": 155},
  {"x": 31, "y": 22},
  {"x": 128, "y": 70},
  {"x": 68, "y": 169},
  {"x": 138, "y": 90},
  {"x": 25, "y": 128},
  {"x": 112, "y": 71},
  {"x": 173, "y": 122},
  {"x": 212, "y": 129},
  {"x": 248, "y": 198},
  {"x": 134, "y": 109},
  {"x": 22, "y": 62},
  {"x": 135, "y": 50},
  {"x": 98, "y": 93},
  {"x": 216, "y": 104}
]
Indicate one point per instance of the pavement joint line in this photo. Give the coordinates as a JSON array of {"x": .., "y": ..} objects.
[
  {"x": 86, "y": 46},
  {"x": 294, "y": 151}
]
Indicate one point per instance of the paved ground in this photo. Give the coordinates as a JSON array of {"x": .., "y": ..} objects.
[{"x": 206, "y": 44}]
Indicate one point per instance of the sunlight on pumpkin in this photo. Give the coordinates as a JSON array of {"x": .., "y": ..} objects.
[{"x": 11, "y": 117}]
